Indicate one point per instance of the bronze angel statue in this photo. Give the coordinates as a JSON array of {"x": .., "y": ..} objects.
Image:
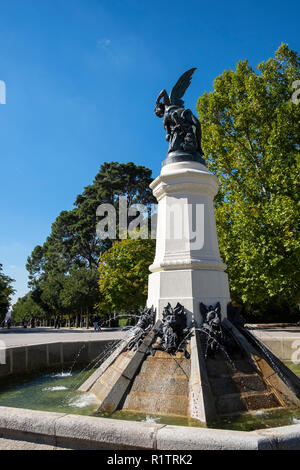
[{"x": 182, "y": 127}]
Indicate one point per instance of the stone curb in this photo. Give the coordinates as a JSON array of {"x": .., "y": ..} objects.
[
  {"x": 283, "y": 438},
  {"x": 86, "y": 432},
  {"x": 76, "y": 431},
  {"x": 188, "y": 438},
  {"x": 22, "y": 359},
  {"x": 105, "y": 433}
]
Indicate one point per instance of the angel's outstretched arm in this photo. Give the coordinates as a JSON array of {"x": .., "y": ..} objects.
[{"x": 163, "y": 94}]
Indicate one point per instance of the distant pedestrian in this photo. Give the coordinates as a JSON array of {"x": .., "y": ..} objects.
[
  {"x": 32, "y": 323},
  {"x": 57, "y": 323},
  {"x": 96, "y": 323},
  {"x": 8, "y": 322}
]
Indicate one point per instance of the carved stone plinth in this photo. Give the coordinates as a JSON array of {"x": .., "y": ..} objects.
[{"x": 187, "y": 267}]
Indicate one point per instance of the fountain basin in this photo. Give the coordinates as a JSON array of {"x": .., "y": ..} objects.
[
  {"x": 20, "y": 359},
  {"x": 66, "y": 430},
  {"x": 85, "y": 432}
]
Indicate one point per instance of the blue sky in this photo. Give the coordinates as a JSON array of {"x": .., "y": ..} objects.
[{"x": 82, "y": 77}]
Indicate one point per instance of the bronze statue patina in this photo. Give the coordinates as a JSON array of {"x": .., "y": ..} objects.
[{"x": 182, "y": 127}]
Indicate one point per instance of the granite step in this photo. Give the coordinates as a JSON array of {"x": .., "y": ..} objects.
[
  {"x": 157, "y": 403},
  {"x": 172, "y": 385},
  {"x": 217, "y": 367},
  {"x": 238, "y": 383},
  {"x": 162, "y": 366},
  {"x": 161, "y": 386},
  {"x": 247, "y": 401}
]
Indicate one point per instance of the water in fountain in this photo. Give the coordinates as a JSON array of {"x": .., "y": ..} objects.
[
  {"x": 103, "y": 355},
  {"x": 128, "y": 315},
  {"x": 219, "y": 346},
  {"x": 29, "y": 393},
  {"x": 76, "y": 357}
]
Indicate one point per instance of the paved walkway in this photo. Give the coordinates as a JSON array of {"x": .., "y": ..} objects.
[
  {"x": 275, "y": 332},
  {"x": 27, "y": 336},
  {"x": 14, "y": 444}
]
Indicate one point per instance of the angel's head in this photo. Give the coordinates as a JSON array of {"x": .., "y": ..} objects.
[
  {"x": 159, "y": 110},
  {"x": 162, "y": 101}
]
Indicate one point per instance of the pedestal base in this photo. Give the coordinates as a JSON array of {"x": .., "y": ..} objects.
[
  {"x": 187, "y": 267},
  {"x": 189, "y": 287}
]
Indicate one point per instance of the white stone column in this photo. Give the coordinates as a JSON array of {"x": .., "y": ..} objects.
[{"x": 187, "y": 267}]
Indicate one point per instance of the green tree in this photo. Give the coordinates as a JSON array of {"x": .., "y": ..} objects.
[
  {"x": 26, "y": 308},
  {"x": 73, "y": 239},
  {"x": 80, "y": 292},
  {"x": 6, "y": 291},
  {"x": 51, "y": 290},
  {"x": 35, "y": 266},
  {"x": 124, "y": 270},
  {"x": 73, "y": 247},
  {"x": 112, "y": 181},
  {"x": 251, "y": 132}
]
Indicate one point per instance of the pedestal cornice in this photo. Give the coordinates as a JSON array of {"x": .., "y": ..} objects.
[
  {"x": 188, "y": 264},
  {"x": 185, "y": 177}
]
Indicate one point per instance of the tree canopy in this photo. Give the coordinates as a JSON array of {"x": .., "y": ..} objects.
[
  {"x": 251, "y": 132},
  {"x": 63, "y": 272},
  {"x": 6, "y": 291},
  {"x": 124, "y": 270},
  {"x": 26, "y": 308}
]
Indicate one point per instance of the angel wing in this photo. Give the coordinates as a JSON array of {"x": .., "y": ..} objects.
[{"x": 180, "y": 88}]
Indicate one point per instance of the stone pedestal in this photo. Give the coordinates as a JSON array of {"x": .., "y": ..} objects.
[{"x": 187, "y": 267}]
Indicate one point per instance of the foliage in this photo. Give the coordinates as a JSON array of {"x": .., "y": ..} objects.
[
  {"x": 251, "y": 132},
  {"x": 51, "y": 289},
  {"x": 63, "y": 272},
  {"x": 124, "y": 270},
  {"x": 6, "y": 291},
  {"x": 80, "y": 291},
  {"x": 26, "y": 308}
]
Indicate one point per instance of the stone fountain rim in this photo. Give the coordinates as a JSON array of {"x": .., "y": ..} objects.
[{"x": 77, "y": 431}]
